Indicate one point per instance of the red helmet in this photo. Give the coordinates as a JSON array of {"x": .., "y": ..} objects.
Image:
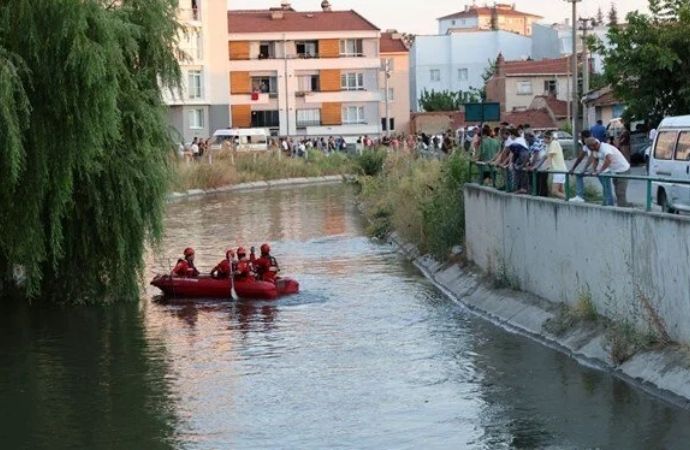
[
  {"x": 265, "y": 248},
  {"x": 241, "y": 251},
  {"x": 189, "y": 251},
  {"x": 229, "y": 252}
]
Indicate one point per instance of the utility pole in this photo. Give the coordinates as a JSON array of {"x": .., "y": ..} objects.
[
  {"x": 585, "y": 23},
  {"x": 576, "y": 98},
  {"x": 387, "y": 75}
]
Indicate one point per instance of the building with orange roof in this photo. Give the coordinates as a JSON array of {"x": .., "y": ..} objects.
[
  {"x": 395, "y": 61},
  {"x": 304, "y": 73},
  {"x": 500, "y": 16}
]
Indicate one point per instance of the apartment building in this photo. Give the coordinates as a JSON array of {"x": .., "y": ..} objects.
[
  {"x": 304, "y": 73},
  {"x": 202, "y": 105},
  {"x": 500, "y": 16},
  {"x": 395, "y": 62}
]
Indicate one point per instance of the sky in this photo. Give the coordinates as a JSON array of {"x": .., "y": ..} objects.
[{"x": 419, "y": 16}]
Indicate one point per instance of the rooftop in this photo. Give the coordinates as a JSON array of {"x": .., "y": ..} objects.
[
  {"x": 559, "y": 66},
  {"x": 392, "y": 43},
  {"x": 500, "y": 9},
  {"x": 289, "y": 20}
]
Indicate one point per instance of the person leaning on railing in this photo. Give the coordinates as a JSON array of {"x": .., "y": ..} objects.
[
  {"x": 612, "y": 161},
  {"x": 488, "y": 150},
  {"x": 582, "y": 153}
]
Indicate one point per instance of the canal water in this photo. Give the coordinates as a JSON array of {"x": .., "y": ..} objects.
[{"x": 368, "y": 355}]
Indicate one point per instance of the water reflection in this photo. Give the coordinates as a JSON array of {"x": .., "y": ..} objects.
[{"x": 82, "y": 378}]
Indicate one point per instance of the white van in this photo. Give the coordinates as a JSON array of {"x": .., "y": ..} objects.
[
  {"x": 670, "y": 158},
  {"x": 245, "y": 139}
]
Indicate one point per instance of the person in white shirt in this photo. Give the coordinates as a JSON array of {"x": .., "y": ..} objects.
[{"x": 610, "y": 160}]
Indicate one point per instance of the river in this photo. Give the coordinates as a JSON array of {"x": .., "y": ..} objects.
[{"x": 368, "y": 355}]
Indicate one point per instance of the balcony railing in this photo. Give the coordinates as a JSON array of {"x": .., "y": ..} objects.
[
  {"x": 308, "y": 123},
  {"x": 189, "y": 14}
]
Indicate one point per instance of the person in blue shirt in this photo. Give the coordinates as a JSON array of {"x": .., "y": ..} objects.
[{"x": 599, "y": 131}]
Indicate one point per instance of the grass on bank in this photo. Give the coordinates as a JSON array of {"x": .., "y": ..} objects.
[
  {"x": 419, "y": 199},
  {"x": 248, "y": 167}
]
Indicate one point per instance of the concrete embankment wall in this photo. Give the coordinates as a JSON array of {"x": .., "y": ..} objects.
[{"x": 635, "y": 265}]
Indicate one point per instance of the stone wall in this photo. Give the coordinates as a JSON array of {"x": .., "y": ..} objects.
[{"x": 635, "y": 265}]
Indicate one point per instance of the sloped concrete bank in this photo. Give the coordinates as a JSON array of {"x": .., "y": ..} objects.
[
  {"x": 663, "y": 373},
  {"x": 257, "y": 185}
]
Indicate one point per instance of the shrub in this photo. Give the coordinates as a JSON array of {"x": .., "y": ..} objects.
[{"x": 371, "y": 162}]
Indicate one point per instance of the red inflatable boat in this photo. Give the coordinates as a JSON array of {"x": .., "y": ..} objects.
[{"x": 208, "y": 287}]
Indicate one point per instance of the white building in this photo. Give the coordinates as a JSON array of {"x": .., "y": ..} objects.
[
  {"x": 311, "y": 73},
  {"x": 458, "y": 60},
  {"x": 499, "y": 16},
  {"x": 565, "y": 41},
  {"x": 202, "y": 105}
]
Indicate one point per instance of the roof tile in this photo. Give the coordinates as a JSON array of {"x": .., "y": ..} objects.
[
  {"x": 392, "y": 45},
  {"x": 261, "y": 21}
]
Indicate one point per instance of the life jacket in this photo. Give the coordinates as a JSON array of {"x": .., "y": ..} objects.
[
  {"x": 185, "y": 269},
  {"x": 223, "y": 269},
  {"x": 244, "y": 269}
]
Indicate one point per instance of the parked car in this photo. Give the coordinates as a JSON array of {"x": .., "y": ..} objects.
[
  {"x": 639, "y": 142},
  {"x": 670, "y": 158}
]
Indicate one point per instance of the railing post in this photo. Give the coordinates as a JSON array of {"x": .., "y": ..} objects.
[
  {"x": 649, "y": 195},
  {"x": 534, "y": 183},
  {"x": 469, "y": 171},
  {"x": 567, "y": 186},
  {"x": 493, "y": 176}
]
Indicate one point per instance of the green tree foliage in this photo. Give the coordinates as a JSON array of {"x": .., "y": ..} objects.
[
  {"x": 433, "y": 101},
  {"x": 84, "y": 142},
  {"x": 648, "y": 61}
]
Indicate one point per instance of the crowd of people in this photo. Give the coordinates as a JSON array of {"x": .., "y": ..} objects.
[
  {"x": 193, "y": 151},
  {"x": 237, "y": 263},
  {"x": 522, "y": 153}
]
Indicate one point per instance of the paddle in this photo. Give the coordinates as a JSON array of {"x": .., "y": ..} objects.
[{"x": 233, "y": 294}]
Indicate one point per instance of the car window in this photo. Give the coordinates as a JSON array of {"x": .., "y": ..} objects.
[
  {"x": 683, "y": 148},
  {"x": 665, "y": 142}
]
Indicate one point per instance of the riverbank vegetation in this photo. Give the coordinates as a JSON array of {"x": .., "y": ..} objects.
[
  {"x": 83, "y": 132},
  {"x": 419, "y": 199},
  {"x": 228, "y": 169}
]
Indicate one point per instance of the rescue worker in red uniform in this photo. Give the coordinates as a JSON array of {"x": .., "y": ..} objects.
[
  {"x": 185, "y": 267},
  {"x": 224, "y": 268},
  {"x": 266, "y": 265},
  {"x": 244, "y": 265}
]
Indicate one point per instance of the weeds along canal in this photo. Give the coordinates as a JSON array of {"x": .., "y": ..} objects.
[{"x": 368, "y": 355}]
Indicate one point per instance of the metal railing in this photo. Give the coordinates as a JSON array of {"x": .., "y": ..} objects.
[{"x": 508, "y": 182}]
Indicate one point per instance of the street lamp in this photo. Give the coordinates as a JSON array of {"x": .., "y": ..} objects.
[{"x": 576, "y": 100}]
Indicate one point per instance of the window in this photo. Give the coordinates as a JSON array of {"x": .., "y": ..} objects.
[
  {"x": 352, "y": 81},
  {"x": 307, "y": 49},
  {"x": 266, "y": 50},
  {"x": 351, "y": 47},
  {"x": 453, "y": 22},
  {"x": 391, "y": 95},
  {"x": 463, "y": 74},
  {"x": 195, "y": 84},
  {"x": 308, "y": 118},
  {"x": 551, "y": 87},
  {"x": 391, "y": 121},
  {"x": 265, "y": 85},
  {"x": 524, "y": 88},
  {"x": 196, "y": 119},
  {"x": 435, "y": 75},
  {"x": 308, "y": 83},
  {"x": 353, "y": 115},
  {"x": 683, "y": 148},
  {"x": 665, "y": 142},
  {"x": 265, "y": 119}
]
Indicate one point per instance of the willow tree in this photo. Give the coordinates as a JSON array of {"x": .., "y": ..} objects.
[{"x": 84, "y": 142}]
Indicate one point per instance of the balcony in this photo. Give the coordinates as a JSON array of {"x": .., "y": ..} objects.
[
  {"x": 189, "y": 15},
  {"x": 302, "y": 124}
]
